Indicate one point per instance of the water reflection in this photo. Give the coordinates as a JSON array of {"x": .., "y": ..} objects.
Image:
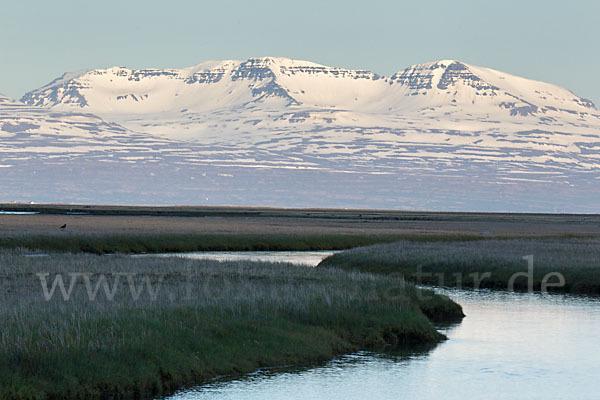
[
  {"x": 517, "y": 346},
  {"x": 309, "y": 258}
]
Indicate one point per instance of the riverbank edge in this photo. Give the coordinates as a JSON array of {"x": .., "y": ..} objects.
[{"x": 147, "y": 370}]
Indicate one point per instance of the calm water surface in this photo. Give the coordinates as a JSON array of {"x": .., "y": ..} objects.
[
  {"x": 310, "y": 258},
  {"x": 510, "y": 346}
]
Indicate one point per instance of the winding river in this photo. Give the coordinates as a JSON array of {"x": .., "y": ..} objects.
[{"x": 510, "y": 346}]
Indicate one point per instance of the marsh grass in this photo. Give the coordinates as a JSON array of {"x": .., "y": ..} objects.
[
  {"x": 577, "y": 259},
  {"x": 206, "y": 319},
  {"x": 107, "y": 243},
  {"x": 104, "y": 243}
]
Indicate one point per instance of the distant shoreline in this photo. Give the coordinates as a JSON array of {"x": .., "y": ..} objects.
[
  {"x": 129, "y": 229},
  {"x": 239, "y": 211}
]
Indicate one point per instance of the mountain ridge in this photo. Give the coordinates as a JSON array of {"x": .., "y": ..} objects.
[
  {"x": 444, "y": 135},
  {"x": 419, "y": 79}
]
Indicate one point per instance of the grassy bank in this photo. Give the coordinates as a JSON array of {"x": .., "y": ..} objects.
[
  {"x": 106, "y": 243},
  {"x": 191, "y": 320},
  {"x": 454, "y": 263}
]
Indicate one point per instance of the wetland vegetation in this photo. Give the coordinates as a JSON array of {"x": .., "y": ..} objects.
[
  {"x": 172, "y": 321},
  {"x": 143, "y": 327},
  {"x": 484, "y": 264}
]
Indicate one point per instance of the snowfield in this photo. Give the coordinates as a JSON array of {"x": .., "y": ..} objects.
[{"x": 273, "y": 131}]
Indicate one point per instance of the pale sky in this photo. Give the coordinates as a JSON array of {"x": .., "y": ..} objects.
[{"x": 551, "y": 41}]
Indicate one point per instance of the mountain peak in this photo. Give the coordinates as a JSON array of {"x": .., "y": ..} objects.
[
  {"x": 439, "y": 74},
  {"x": 443, "y": 64},
  {"x": 280, "y": 61}
]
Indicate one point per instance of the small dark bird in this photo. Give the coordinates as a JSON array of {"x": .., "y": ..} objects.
[{"x": 64, "y": 226}]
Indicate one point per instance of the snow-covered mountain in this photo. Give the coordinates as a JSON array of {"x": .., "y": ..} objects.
[
  {"x": 227, "y": 84},
  {"x": 442, "y": 135}
]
